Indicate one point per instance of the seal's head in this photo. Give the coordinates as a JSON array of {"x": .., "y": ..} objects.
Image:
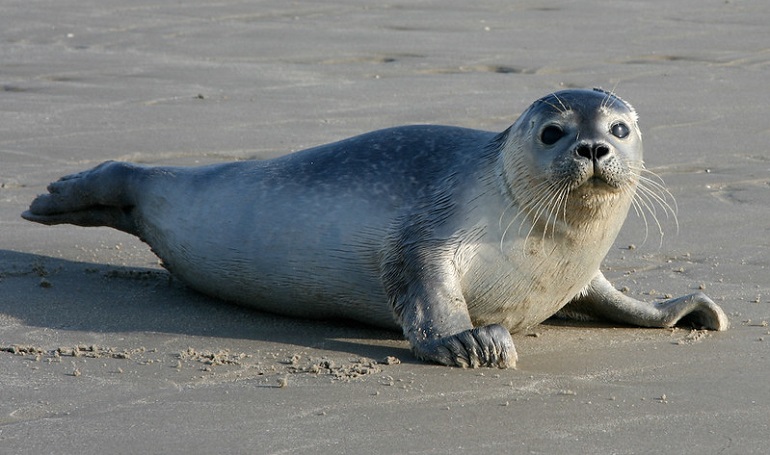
[{"x": 574, "y": 155}]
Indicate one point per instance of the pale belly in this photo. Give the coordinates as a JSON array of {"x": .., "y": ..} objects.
[{"x": 522, "y": 288}]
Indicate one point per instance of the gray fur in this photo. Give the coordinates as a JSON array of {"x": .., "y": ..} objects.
[{"x": 455, "y": 236}]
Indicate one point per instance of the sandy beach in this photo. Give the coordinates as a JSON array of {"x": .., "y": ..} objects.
[{"x": 101, "y": 351}]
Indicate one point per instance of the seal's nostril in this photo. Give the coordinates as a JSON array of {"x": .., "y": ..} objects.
[
  {"x": 600, "y": 151},
  {"x": 591, "y": 151},
  {"x": 584, "y": 150}
]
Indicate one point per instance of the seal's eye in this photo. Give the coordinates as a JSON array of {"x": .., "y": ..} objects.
[
  {"x": 620, "y": 130},
  {"x": 551, "y": 134}
]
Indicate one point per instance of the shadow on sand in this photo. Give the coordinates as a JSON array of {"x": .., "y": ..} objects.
[{"x": 59, "y": 294}]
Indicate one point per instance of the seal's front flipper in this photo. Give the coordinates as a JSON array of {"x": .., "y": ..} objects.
[
  {"x": 429, "y": 305},
  {"x": 601, "y": 300},
  {"x": 488, "y": 346},
  {"x": 101, "y": 196}
]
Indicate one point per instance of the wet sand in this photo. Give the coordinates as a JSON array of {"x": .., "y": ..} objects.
[{"x": 101, "y": 352}]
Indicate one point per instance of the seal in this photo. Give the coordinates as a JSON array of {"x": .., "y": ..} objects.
[{"x": 458, "y": 237}]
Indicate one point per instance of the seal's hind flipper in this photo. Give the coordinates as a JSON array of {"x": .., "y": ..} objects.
[
  {"x": 118, "y": 218},
  {"x": 97, "y": 197}
]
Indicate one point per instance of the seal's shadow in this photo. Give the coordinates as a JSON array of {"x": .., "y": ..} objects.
[{"x": 60, "y": 294}]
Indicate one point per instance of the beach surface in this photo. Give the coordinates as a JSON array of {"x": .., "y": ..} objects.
[{"x": 102, "y": 352}]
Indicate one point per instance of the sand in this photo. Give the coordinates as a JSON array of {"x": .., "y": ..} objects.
[{"x": 101, "y": 352}]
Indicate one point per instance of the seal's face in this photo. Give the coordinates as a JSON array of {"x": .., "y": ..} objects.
[
  {"x": 575, "y": 148},
  {"x": 585, "y": 137}
]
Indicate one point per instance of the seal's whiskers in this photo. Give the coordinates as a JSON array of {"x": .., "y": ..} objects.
[{"x": 651, "y": 193}]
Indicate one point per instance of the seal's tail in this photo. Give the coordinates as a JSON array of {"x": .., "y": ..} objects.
[{"x": 97, "y": 197}]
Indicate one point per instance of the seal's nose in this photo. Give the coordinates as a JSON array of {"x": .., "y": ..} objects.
[{"x": 594, "y": 151}]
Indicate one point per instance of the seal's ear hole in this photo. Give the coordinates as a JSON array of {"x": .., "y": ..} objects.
[
  {"x": 620, "y": 130},
  {"x": 551, "y": 134}
]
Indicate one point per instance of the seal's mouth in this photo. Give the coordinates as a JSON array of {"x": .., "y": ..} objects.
[
  {"x": 596, "y": 180},
  {"x": 596, "y": 184}
]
